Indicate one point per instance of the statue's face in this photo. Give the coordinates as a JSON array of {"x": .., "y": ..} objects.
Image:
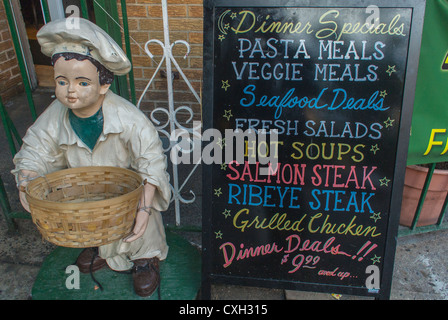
[{"x": 78, "y": 86}]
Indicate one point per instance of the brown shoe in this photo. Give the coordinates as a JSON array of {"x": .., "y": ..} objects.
[
  {"x": 146, "y": 276},
  {"x": 89, "y": 260}
]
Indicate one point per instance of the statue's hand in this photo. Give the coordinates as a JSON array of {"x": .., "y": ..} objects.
[
  {"x": 143, "y": 213},
  {"x": 25, "y": 176},
  {"x": 141, "y": 222}
]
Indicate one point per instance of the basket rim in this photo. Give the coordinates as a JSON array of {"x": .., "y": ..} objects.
[{"x": 81, "y": 205}]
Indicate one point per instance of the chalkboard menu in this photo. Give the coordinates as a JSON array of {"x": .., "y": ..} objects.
[{"x": 310, "y": 108}]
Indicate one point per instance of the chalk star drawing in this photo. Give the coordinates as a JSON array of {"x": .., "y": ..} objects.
[
  {"x": 227, "y": 26},
  {"x": 233, "y": 15},
  {"x": 221, "y": 37},
  {"x": 375, "y": 216},
  {"x": 389, "y": 122},
  {"x": 375, "y": 259},
  {"x": 228, "y": 114},
  {"x": 225, "y": 84},
  {"x": 218, "y": 234},
  {"x": 384, "y": 182},
  {"x": 226, "y": 213},
  {"x": 383, "y": 94},
  {"x": 390, "y": 70},
  {"x": 223, "y": 166},
  {"x": 218, "y": 192},
  {"x": 374, "y": 148},
  {"x": 221, "y": 142}
]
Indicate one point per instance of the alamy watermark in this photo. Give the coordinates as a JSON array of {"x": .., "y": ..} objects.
[
  {"x": 373, "y": 278},
  {"x": 72, "y": 22},
  {"x": 73, "y": 281},
  {"x": 233, "y": 145}
]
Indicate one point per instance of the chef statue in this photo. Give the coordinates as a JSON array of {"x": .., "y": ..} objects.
[{"x": 88, "y": 125}]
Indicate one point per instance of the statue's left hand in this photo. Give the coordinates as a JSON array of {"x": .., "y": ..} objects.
[
  {"x": 143, "y": 213},
  {"x": 141, "y": 221}
]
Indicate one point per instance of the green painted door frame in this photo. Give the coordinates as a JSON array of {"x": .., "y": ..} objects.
[{"x": 106, "y": 17}]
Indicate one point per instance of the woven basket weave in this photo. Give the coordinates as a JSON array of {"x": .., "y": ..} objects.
[{"x": 85, "y": 207}]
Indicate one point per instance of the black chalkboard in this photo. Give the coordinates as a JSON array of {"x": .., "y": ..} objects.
[{"x": 313, "y": 205}]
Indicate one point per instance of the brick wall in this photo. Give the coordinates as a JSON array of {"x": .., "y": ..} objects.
[
  {"x": 10, "y": 78},
  {"x": 186, "y": 23}
]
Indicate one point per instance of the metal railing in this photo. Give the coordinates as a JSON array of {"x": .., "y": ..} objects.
[
  {"x": 14, "y": 139},
  {"x": 172, "y": 124},
  {"x": 440, "y": 224}
]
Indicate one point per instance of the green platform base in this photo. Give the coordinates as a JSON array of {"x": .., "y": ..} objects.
[{"x": 180, "y": 277}]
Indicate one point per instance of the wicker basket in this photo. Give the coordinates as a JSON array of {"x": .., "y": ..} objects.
[{"x": 85, "y": 207}]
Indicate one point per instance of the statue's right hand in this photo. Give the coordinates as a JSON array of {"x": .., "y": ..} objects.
[{"x": 25, "y": 176}]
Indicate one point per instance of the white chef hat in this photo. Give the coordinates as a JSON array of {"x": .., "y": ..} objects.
[{"x": 64, "y": 36}]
